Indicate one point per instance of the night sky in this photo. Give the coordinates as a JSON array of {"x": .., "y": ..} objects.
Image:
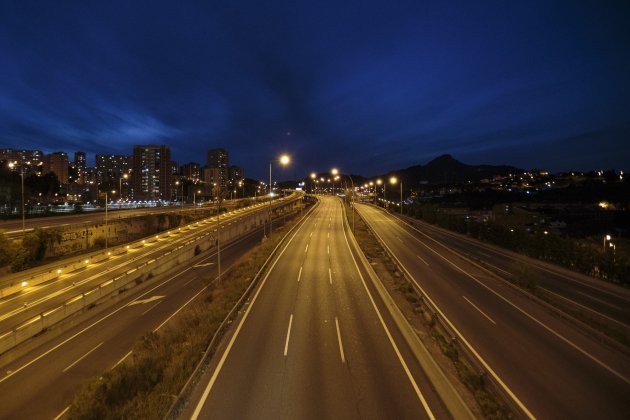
[{"x": 366, "y": 86}]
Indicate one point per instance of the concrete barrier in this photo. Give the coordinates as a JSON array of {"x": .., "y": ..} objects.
[
  {"x": 7, "y": 341},
  {"x": 125, "y": 281},
  {"x": 28, "y": 329},
  {"x": 53, "y": 316}
]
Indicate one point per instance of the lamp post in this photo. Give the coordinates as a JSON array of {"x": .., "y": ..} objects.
[
  {"x": 12, "y": 165},
  {"x": 217, "y": 191},
  {"x": 313, "y": 176},
  {"x": 393, "y": 180},
  {"x": 120, "y": 183},
  {"x": 351, "y": 196},
  {"x": 378, "y": 182},
  {"x": 283, "y": 160},
  {"x": 606, "y": 238},
  {"x": 106, "y": 206},
  {"x": 195, "y": 199},
  {"x": 334, "y": 172}
]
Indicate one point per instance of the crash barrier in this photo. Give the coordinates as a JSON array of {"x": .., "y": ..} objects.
[{"x": 16, "y": 282}]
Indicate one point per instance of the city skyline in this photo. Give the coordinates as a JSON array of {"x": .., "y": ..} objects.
[{"x": 369, "y": 89}]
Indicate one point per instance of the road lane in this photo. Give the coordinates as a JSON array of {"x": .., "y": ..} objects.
[
  {"x": 534, "y": 353},
  {"x": 35, "y": 385},
  {"x": 32, "y": 301},
  {"x": 595, "y": 296},
  {"x": 340, "y": 360}
]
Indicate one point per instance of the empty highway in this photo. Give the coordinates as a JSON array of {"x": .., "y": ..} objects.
[
  {"x": 315, "y": 342},
  {"x": 41, "y": 382},
  {"x": 547, "y": 366}
]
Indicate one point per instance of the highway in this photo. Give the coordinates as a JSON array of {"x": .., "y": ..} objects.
[
  {"x": 41, "y": 382},
  {"x": 606, "y": 302},
  {"x": 315, "y": 342},
  {"x": 546, "y": 366},
  {"x": 32, "y": 301},
  {"x": 13, "y": 227}
]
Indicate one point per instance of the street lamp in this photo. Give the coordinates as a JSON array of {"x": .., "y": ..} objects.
[
  {"x": 283, "y": 160},
  {"x": 177, "y": 183},
  {"x": 195, "y": 198},
  {"x": 120, "y": 183},
  {"x": 335, "y": 172},
  {"x": 313, "y": 176},
  {"x": 12, "y": 165},
  {"x": 378, "y": 182},
  {"x": 393, "y": 180},
  {"x": 606, "y": 238},
  {"x": 106, "y": 206}
]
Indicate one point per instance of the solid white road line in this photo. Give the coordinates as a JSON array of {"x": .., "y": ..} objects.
[
  {"x": 82, "y": 357},
  {"x": 90, "y": 326},
  {"x": 480, "y": 311},
  {"x": 180, "y": 308},
  {"x": 226, "y": 352},
  {"x": 286, "y": 343},
  {"x": 343, "y": 357},
  {"x": 299, "y": 274},
  {"x": 63, "y": 413},
  {"x": 122, "y": 360},
  {"x": 415, "y": 386},
  {"x": 459, "y": 334},
  {"x": 515, "y": 306}
]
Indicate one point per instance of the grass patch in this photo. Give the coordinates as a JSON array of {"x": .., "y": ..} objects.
[{"x": 147, "y": 383}]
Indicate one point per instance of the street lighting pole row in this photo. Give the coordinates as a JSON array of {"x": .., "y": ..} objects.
[
  {"x": 106, "y": 207},
  {"x": 392, "y": 180}
]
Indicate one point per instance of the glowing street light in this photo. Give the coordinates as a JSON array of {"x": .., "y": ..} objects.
[
  {"x": 378, "y": 182},
  {"x": 106, "y": 206},
  {"x": 125, "y": 176},
  {"x": 283, "y": 160},
  {"x": 606, "y": 238},
  {"x": 12, "y": 165},
  {"x": 182, "y": 183},
  {"x": 393, "y": 180}
]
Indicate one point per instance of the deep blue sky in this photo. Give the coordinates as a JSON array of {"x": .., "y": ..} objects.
[{"x": 367, "y": 86}]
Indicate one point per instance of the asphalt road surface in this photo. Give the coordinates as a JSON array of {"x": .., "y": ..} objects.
[
  {"x": 546, "y": 365},
  {"x": 34, "y": 300},
  {"x": 605, "y": 302},
  {"x": 41, "y": 383},
  {"x": 315, "y": 342}
]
